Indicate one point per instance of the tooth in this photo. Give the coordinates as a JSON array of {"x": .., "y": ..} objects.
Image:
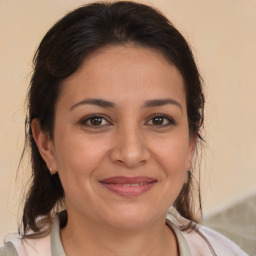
[{"x": 133, "y": 184}]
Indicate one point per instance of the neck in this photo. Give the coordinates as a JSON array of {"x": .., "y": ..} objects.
[{"x": 81, "y": 237}]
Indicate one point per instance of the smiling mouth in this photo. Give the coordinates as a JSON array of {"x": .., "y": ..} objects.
[{"x": 128, "y": 186}]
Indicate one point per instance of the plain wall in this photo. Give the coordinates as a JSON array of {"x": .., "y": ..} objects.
[{"x": 222, "y": 36}]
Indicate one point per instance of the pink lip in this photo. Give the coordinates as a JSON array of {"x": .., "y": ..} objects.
[{"x": 128, "y": 186}]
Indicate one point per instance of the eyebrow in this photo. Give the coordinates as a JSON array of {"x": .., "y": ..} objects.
[
  {"x": 97, "y": 102},
  {"x": 107, "y": 104},
  {"x": 161, "y": 102}
]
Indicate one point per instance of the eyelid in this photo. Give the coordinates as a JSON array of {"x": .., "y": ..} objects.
[
  {"x": 83, "y": 120},
  {"x": 171, "y": 120}
]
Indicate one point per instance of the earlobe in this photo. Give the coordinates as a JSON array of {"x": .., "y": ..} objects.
[{"x": 45, "y": 145}]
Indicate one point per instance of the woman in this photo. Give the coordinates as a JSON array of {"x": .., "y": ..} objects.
[{"x": 115, "y": 108}]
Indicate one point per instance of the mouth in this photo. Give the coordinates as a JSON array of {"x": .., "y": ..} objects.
[{"x": 128, "y": 186}]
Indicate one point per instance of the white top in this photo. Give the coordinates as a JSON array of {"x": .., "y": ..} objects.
[{"x": 201, "y": 241}]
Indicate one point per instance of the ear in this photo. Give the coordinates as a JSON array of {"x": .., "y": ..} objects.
[
  {"x": 45, "y": 145},
  {"x": 191, "y": 151}
]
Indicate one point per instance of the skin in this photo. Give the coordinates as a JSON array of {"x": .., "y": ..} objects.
[{"x": 127, "y": 141}]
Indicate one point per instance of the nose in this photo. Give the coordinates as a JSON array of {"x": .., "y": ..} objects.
[{"x": 130, "y": 148}]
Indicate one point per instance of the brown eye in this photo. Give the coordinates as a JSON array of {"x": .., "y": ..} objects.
[
  {"x": 94, "y": 121},
  {"x": 161, "y": 121},
  {"x": 158, "y": 120}
]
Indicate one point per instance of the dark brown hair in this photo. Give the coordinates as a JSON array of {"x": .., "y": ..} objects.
[{"x": 60, "y": 54}]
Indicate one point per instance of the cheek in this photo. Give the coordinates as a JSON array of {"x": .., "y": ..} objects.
[
  {"x": 171, "y": 159},
  {"x": 172, "y": 155},
  {"x": 78, "y": 156},
  {"x": 78, "y": 160}
]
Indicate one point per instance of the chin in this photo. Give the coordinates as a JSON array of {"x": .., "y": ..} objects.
[{"x": 131, "y": 218}]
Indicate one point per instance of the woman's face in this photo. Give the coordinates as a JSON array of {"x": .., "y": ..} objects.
[{"x": 121, "y": 140}]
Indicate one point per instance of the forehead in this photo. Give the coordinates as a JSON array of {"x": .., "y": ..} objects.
[{"x": 128, "y": 71}]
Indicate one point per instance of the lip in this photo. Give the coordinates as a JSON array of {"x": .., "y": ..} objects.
[{"x": 128, "y": 186}]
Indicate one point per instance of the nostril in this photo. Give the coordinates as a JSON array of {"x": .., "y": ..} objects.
[
  {"x": 120, "y": 161},
  {"x": 131, "y": 164}
]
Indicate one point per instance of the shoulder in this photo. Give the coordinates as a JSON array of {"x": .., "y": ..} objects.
[
  {"x": 8, "y": 250},
  {"x": 212, "y": 241},
  {"x": 38, "y": 246},
  {"x": 204, "y": 241},
  {"x": 26, "y": 247}
]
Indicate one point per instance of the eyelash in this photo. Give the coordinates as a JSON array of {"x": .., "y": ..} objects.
[
  {"x": 84, "y": 121},
  {"x": 169, "y": 119},
  {"x": 88, "y": 118}
]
